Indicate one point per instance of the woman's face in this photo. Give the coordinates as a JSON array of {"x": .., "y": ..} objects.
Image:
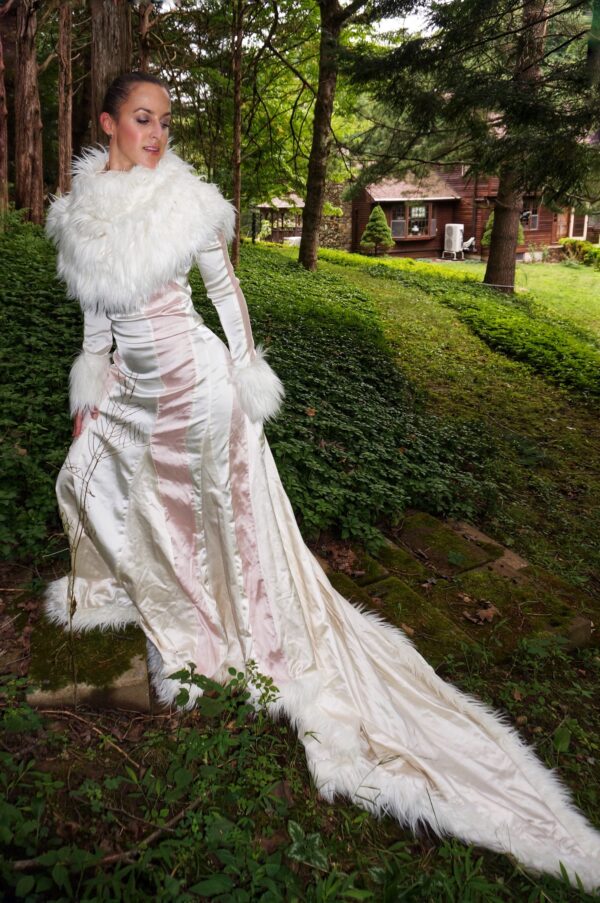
[{"x": 140, "y": 134}]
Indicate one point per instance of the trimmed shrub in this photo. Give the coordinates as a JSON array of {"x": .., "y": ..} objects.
[{"x": 377, "y": 233}]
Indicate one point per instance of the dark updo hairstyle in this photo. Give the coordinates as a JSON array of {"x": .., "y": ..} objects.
[{"x": 119, "y": 88}]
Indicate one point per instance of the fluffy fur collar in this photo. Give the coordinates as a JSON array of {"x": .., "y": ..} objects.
[{"x": 123, "y": 235}]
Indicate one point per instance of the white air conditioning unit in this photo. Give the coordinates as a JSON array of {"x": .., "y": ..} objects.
[{"x": 453, "y": 238}]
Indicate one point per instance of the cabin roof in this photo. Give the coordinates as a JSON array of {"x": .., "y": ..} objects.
[
  {"x": 286, "y": 203},
  {"x": 411, "y": 188}
]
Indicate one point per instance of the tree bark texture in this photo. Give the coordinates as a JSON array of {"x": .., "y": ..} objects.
[
  {"x": 29, "y": 180},
  {"x": 145, "y": 26},
  {"x": 331, "y": 26},
  {"x": 65, "y": 98},
  {"x": 111, "y": 52},
  {"x": 237, "y": 36},
  {"x": 501, "y": 265},
  {"x": 3, "y": 138}
]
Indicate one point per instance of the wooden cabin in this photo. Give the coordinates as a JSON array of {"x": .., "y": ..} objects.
[{"x": 418, "y": 209}]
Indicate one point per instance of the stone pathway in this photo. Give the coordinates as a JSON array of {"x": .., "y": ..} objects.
[{"x": 446, "y": 584}]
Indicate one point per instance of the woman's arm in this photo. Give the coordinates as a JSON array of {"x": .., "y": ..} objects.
[
  {"x": 259, "y": 389},
  {"x": 87, "y": 379}
]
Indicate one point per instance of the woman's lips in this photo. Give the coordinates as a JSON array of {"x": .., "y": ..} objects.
[{"x": 151, "y": 150}]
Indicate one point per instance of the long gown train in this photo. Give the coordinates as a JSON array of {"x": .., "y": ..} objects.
[{"x": 178, "y": 521}]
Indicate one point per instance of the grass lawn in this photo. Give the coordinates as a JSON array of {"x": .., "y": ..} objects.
[{"x": 572, "y": 291}]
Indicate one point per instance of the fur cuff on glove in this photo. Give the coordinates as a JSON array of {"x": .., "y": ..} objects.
[
  {"x": 87, "y": 380},
  {"x": 260, "y": 391}
]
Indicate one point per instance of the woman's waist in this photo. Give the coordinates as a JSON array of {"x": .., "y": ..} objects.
[{"x": 173, "y": 358}]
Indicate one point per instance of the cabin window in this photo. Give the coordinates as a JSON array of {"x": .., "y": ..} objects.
[
  {"x": 412, "y": 220},
  {"x": 530, "y": 218}
]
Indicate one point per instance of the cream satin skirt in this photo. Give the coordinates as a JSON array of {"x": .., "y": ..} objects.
[{"x": 178, "y": 521}]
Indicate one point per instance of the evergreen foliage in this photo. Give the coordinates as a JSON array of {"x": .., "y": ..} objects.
[
  {"x": 450, "y": 93},
  {"x": 377, "y": 233},
  {"x": 487, "y": 232}
]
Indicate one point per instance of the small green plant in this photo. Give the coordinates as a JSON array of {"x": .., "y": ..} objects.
[{"x": 377, "y": 233}]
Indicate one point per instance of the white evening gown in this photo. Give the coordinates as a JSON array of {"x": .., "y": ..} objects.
[{"x": 179, "y": 522}]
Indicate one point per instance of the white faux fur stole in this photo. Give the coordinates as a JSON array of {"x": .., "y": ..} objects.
[{"x": 121, "y": 236}]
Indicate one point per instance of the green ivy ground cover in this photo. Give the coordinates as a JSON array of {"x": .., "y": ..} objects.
[
  {"x": 354, "y": 444},
  {"x": 217, "y": 805}
]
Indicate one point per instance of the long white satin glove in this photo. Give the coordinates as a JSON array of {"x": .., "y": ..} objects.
[
  {"x": 87, "y": 379},
  {"x": 259, "y": 389}
]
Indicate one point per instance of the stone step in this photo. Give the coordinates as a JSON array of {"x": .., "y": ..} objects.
[
  {"x": 104, "y": 669},
  {"x": 443, "y": 549}
]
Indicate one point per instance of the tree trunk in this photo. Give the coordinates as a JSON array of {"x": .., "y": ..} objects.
[
  {"x": 3, "y": 140},
  {"x": 331, "y": 26},
  {"x": 501, "y": 265},
  {"x": 593, "y": 55},
  {"x": 65, "y": 99},
  {"x": 111, "y": 52},
  {"x": 29, "y": 180},
  {"x": 237, "y": 36}
]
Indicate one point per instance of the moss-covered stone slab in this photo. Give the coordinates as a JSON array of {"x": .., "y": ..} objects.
[
  {"x": 401, "y": 563},
  {"x": 512, "y": 611},
  {"x": 367, "y": 569},
  {"x": 440, "y": 547},
  {"x": 434, "y": 634},
  {"x": 101, "y": 663},
  {"x": 130, "y": 690},
  {"x": 349, "y": 589}
]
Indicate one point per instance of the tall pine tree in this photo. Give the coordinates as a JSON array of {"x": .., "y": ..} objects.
[{"x": 500, "y": 86}]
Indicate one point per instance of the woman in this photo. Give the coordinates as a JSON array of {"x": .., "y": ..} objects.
[{"x": 178, "y": 521}]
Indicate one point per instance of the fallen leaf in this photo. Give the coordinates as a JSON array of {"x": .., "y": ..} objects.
[
  {"x": 482, "y": 615},
  {"x": 517, "y": 695},
  {"x": 409, "y": 631},
  {"x": 310, "y": 412},
  {"x": 487, "y": 614}
]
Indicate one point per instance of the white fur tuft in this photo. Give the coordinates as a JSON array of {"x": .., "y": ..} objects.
[
  {"x": 103, "y": 616},
  {"x": 260, "y": 391},
  {"x": 122, "y": 235},
  {"x": 87, "y": 380}
]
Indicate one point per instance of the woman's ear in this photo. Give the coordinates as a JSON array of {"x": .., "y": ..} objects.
[{"x": 106, "y": 121}]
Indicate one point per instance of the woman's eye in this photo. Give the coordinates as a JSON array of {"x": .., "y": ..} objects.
[
  {"x": 142, "y": 121},
  {"x": 165, "y": 125}
]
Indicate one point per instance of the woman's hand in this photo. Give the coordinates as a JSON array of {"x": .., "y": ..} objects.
[{"x": 78, "y": 420}]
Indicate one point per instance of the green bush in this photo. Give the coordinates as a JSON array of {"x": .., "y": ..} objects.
[
  {"x": 403, "y": 264},
  {"x": 581, "y": 250},
  {"x": 377, "y": 233}
]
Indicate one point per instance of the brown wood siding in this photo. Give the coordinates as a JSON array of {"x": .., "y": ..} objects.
[{"x": 443, "y": 212}]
